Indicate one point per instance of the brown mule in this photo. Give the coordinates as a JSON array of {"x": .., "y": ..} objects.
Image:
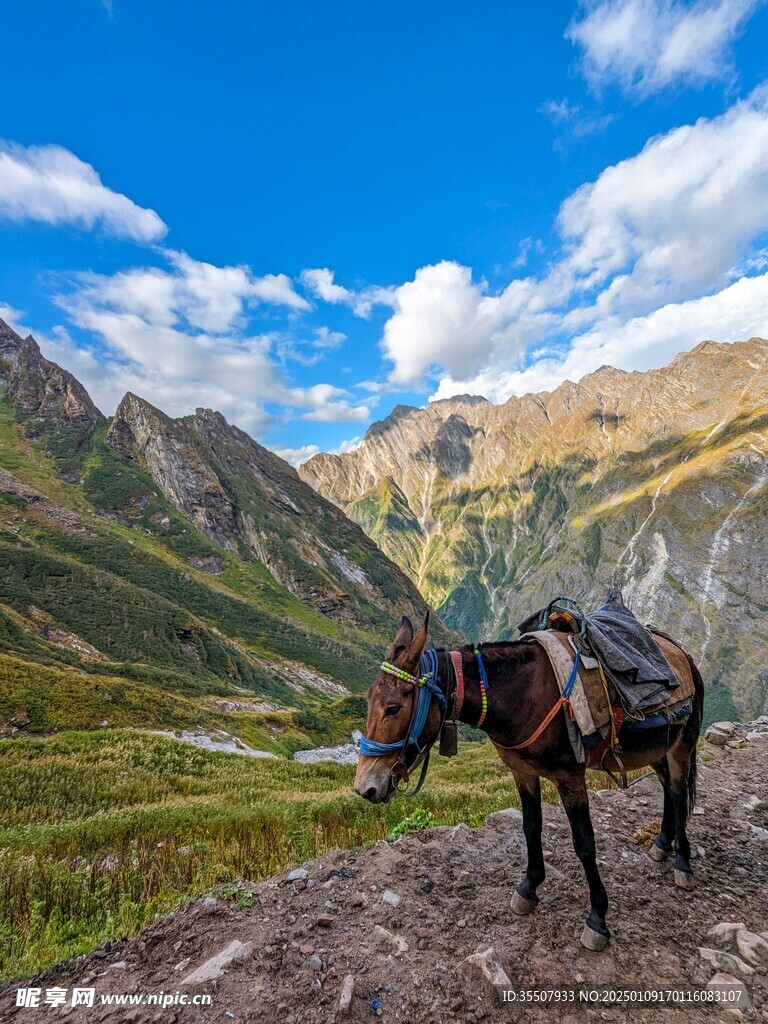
[{"x": 522, "y": 692}]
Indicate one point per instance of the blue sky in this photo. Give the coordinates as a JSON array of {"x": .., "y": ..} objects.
[{"x": 303, "y": 214}]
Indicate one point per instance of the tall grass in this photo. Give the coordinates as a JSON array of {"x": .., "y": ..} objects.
[{"x": 100, "y": 832}]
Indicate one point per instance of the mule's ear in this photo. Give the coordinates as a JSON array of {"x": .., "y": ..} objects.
[
  {"x": 402, "y": 641},
  {"x": 419, "y": 644}
]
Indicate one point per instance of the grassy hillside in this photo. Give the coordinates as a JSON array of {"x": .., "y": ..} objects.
[{"x": 102, "y": 831}]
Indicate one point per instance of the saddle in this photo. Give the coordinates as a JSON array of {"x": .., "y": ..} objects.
[{"x": 598, "y": 715}]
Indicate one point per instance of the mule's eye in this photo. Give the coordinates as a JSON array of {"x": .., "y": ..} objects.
[{"x": 393, "y": 709}]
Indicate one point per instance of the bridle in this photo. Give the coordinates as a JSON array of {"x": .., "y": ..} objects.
[{"x": 427, "y": 687}]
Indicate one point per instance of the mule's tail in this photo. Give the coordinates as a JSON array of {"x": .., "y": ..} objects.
[{"x": 693, "y": 727}]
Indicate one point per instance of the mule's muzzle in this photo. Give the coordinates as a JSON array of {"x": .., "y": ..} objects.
[{"x": 375, "y": 790}]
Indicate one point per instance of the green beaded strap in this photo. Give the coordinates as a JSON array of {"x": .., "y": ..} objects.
[{"x": 400, "y": 673}]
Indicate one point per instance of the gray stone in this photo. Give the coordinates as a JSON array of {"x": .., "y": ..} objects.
[
  {"x": 753, "y": 948},
  {"x": 315, "y": 963},
  {"x": 725, "y": 931},
  {"x": 385, "y": 937},
  {"x": 727, "y": 981},
  {"x": 215, "y": 967},
  {"x": 483, "y": 976},
  {"x": 345, "y": 998},
  {"x": 297, "y": 875},
  {"x": 723, "y": 961},
  {"x": 391, "y": 898}
]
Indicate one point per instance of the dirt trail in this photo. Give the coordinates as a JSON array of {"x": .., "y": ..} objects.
[{"x": 299, "y": 940}]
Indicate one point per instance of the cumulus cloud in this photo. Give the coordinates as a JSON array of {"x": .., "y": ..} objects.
[
  {"x": 320, "y": 283},
  {"x": 179, "y": 336},
  {"x": 647, "y": 45},
  {"x": 298, "y": 456},
  {"x": 640, "y": 343},
  {"x": 672, "y": 223},
  {"x": 325, "y": 403},
  {"x": 50, "y": 184}
]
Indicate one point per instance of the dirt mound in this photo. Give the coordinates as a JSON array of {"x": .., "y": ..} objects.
[{"x": 384, "y": 931}]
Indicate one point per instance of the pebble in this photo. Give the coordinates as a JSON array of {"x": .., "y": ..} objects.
[
  {"x": 214, "y": 968},
  {"x": 315, "y": 963},
  {"x": 345, "y": 997},
  {"x": 391, "y": 898},
  {"x": 324, "y": 921},
  {"x": 297, "y": 875},
  {"x": 384, "y": 936}
]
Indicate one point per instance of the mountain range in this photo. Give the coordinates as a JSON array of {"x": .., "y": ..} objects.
[
  {"x": 656, "y": 482},
  {"x": 159, "y": 572}
]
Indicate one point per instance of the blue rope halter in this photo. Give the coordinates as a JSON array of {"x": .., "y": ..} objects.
[{"x": 427, "y": 688}]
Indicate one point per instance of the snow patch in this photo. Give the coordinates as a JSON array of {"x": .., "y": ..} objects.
[{"x": 351, "y": 571}]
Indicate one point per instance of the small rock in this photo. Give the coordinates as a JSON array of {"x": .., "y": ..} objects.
[
  {"x": 315, "y": 963},
  {"x": 214, "y": 968},
  {"x": 389, "y": 938},
  {"x": 723, "y": 961},
  {"x": 345, "y": 997},
  {"x": 358, "y": 899},
  {"x": 482, "y": 974},
  {"x": 725, "y": 931},
  {"x": 297, "y": 875},
  {"x": 391, "y": 898},
  {"x": 727, "y": 981},
  {"x": 177, "y": 946},
  {"x": 753, "y": 948},
  {"x": 182, "y": 965},
  {"x": 324, "y": 920},
  {"x": 121, "y": 965}
]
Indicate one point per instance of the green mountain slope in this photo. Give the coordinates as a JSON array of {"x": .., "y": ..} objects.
[
  {"x": 656, "y": 482},
  {"x": 152, "y": 566}
]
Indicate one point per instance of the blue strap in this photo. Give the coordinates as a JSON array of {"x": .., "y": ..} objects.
[
  {"x": 568, "y": 689},
  {"x": 483, "y": 673}
]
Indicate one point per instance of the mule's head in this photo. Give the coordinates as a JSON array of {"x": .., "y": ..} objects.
[{"x": 390, "y": 706}]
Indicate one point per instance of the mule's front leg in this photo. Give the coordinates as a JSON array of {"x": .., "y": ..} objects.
[
  {"x": 524, "y": 898},
  {"x": 573, "y": 793}
]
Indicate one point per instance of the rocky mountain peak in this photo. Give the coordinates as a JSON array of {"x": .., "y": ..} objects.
[
  {"x": 48, "y": 399},
  {"x": 10, "y": 341}
]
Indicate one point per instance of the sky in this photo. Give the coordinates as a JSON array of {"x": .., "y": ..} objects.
[{"x": 303, "y": 215}]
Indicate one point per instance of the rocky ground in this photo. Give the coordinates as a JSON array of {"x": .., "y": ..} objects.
[{"x": 402, "y": 930}]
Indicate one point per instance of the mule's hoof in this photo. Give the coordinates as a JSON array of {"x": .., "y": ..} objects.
[
  {"x": 520, "y": 905},
  {"x": 657, "y": 853},
  {"x": 592, "y": 940},
  {"x": 684, "y": 880}
]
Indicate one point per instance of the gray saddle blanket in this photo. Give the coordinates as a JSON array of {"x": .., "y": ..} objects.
[{"x": 629, "y": 656}]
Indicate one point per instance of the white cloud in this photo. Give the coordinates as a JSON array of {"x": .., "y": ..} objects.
[
  {"x": 673, "y": 219},
  {"x": 295, "y": 456},
  {"x": 327, "y": 339},
  {"x": 328, "y": 404},
  {"x": 737, "y": 312},
  {"x": 647, "y": 45},
  {"x": 179, "y": 337},
  {"x": 444, "y": 319},
  {"x": 671, "y": 224},
  {"x": 50, "y": 184},
  {"x": 298, "y": 456},
  {"x": 320, "y": 283}
]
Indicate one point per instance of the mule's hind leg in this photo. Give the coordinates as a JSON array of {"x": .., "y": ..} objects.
[
  {"x": 524, "y": 898},
  {"x": 573, "y": 793},
  {"x": 681, "y": 765},
  {"x": 662, "y": 844}
]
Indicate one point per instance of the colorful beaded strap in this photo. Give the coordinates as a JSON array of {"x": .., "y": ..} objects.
[{"x": 484, "y": 687}]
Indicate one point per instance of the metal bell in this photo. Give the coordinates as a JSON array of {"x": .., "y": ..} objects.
[{"x": 449, "y": 740}]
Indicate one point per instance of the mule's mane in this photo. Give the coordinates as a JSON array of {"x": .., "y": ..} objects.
[{"x": 499, "y": 650}]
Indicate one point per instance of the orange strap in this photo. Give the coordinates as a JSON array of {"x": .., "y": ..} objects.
[{"x": 542, "y": 727}]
